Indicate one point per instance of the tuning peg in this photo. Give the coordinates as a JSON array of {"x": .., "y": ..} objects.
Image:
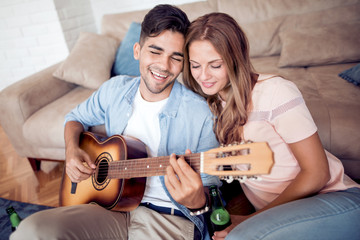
[
  {"x": 229, "y": 179},
  {"x": 246, "y": 141},
  {"x": 256, "y": 178},
  {"x": 241, "y": 179}
]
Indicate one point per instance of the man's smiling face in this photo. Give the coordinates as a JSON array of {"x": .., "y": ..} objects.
[{"x": 161, "y": 61}]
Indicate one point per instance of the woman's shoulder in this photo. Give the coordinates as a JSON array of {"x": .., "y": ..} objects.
[
  {"x": 274, "y": 90},
  {"x": 267, "y": 82},
  {"x": 274, "y": 81}
]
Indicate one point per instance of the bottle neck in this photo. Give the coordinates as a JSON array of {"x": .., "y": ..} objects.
[{"x": 216, "y": 200}]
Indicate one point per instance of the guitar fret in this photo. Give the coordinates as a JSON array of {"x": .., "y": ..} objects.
[{"x": 147, "y": 167}]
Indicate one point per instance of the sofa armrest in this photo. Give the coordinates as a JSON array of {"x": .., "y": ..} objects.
[{"x": 23, "y": 98}]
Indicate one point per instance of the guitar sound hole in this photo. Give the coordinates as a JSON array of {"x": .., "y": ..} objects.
[{"x": 102, "y": 172}]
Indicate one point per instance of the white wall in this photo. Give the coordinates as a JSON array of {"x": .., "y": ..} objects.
[
  {"x": 75, "y": 16},
  {"x": 35, "y": 34},
  {"x": 30, "y": 38}
]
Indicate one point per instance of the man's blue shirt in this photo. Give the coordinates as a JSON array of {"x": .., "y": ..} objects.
[{"x": 186, "y": 122}]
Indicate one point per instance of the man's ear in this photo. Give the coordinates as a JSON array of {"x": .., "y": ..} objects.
[{"x": 136, "y": 51}]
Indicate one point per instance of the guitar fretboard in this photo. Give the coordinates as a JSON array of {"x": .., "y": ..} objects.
[{"x": 147, "y": 167}]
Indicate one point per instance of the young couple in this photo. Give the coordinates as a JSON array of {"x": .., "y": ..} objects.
[{"x": 306, "y": 196}]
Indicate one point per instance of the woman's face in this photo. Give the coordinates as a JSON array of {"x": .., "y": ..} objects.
[{"x": 208, "y": 68}]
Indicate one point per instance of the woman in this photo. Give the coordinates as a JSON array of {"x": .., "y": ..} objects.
[{"x": 306, "y": 195}]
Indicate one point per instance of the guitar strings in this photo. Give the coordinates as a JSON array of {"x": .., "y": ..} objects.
[
  {"x": 143, "y": 167},
  {"x": 133, "y": 163},
  {"x": 147, "y": 166},
  {"x": 137, "y": 165}
]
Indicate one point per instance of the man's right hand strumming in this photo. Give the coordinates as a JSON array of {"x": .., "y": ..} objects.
[{"x": 78, "y": 163}]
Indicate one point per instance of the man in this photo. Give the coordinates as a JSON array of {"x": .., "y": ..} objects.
[{"x": 162, "y": 113}]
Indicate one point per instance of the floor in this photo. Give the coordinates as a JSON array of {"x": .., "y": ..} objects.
[{"x": 19, "y": 182}]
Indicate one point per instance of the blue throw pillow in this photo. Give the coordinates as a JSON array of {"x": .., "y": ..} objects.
[
  {"x": 124, "y": 63},
  {"x": 352, "y": 75}
]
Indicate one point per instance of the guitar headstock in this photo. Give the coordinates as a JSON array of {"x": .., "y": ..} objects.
[{"x": 240, "y": 160}]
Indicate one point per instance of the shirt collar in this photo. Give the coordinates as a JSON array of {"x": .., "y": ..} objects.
[{"x": 172, "y": 106}]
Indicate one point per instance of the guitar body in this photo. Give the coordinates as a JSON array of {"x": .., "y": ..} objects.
[{"x": 116, "y": 194}]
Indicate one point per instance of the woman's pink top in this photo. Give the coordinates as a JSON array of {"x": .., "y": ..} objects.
[{"x": 279, "y": 117}]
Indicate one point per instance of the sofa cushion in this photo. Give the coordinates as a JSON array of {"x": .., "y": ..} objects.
[
  {"x": 246, "y": 11},
  {"x": 263, "y": 20},
  {"x": 352, "y": 75},
  {"x": 125, "y": 63},
  {"x": 45, "y": 128},
  {"x": 338, "y": 43},
  {"x": 342, "y": 101},
  {"x": 263, "y": 37},
  {"x": 89, "y": 62}
]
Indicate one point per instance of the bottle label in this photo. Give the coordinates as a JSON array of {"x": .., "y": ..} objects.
[
  {"x": 15, "y": 220},
  {"x": 220, "y": 217}
]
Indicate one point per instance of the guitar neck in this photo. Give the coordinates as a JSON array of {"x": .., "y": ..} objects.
[{"x": 148, "y": 167}]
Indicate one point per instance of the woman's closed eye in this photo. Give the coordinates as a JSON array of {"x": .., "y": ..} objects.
[
  {"x": 216, "y": 66},
  {"x": 194, "y": 66}
]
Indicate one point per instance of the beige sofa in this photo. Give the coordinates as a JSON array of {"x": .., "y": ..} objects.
[{"x": 307, "y": 41}]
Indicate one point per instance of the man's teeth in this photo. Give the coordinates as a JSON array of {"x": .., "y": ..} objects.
[{"x": 159, "y": 75}]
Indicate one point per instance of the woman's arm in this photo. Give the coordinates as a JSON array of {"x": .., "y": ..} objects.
[{"x": 314, "y": 171}]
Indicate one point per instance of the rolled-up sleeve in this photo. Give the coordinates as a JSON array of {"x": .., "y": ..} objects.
[{"x": 91, "y": 112}]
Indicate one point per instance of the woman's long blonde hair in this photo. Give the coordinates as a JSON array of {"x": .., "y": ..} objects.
[{"x": 224, "y": 33}]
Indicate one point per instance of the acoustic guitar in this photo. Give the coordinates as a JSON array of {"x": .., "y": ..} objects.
[{"x": 122, "y": 167}]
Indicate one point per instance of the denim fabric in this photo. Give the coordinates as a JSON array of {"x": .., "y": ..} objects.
[
  {"x": 328, "y": 216},
  {"x": 185, "y": 123}
]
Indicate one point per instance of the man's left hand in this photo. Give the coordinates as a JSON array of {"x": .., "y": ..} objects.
[{"x": 184, "y": 184}]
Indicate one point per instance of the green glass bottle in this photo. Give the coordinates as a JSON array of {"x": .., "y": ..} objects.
[
  {"x": 14, "y": 218},
  {"x": 220, "y": 217}
]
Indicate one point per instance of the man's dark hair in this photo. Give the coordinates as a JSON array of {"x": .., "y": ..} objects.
[{"x": 163, "y": 17}]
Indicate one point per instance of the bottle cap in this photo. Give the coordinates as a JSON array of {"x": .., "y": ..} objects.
[{"x": 10, "y": 210}]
